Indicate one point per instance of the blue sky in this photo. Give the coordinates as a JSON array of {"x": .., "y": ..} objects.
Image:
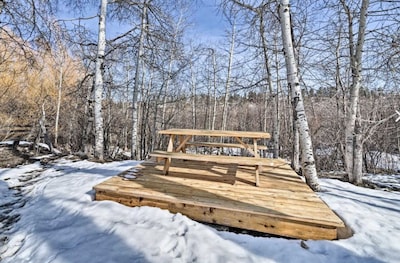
[{"x": 209, "y": 24}]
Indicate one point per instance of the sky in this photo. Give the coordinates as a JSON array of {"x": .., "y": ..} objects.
[{"x": 206, "y": 22}]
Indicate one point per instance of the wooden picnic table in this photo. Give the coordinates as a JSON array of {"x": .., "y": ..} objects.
[
  {"x": 186, "y": 134},
  {"x": 178, "y": 151}
]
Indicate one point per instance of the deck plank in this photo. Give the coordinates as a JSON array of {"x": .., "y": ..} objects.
[{"x": 225, "y": 194}]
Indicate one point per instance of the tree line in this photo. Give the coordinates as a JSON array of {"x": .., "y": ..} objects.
[{"x": 321, "y": 77}]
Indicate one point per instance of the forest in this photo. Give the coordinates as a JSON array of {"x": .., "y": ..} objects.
[{"x": 102, "y": 77}]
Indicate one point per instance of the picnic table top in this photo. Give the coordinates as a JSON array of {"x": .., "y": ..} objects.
[{"x": 217, "y": 133}]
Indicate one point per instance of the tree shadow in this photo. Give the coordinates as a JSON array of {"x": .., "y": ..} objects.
[
  {"x": 295, "y": 250},
  {"x": 356, "y": 198},
  {"x": 66, "y": 228}
]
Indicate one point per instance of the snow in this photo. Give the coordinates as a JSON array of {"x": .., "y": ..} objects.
[
  {"x": 386, "y": 181},
  {"x": 22, "y": 143},
  {"x": 60, "y": 222},
  {"x": 384, "y": 160},
  {"x": 26, "y": 143}
]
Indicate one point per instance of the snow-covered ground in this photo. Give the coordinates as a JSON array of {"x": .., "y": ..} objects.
[
  {"x": 385, "y": 161},
  {"x": 47, "y": 214},
  {"x": 384, "y": 181}
]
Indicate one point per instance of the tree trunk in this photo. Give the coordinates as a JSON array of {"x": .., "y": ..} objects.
[
  {"x": 357, "y": 159},
  {"x": 193, "y": 91},
  {"x": 134, "y": 139},
  {"x": 214, "y": 116},
  {"x": 269, "y": 90},
  {"x": 88, "y": 129},
  {"x": 98, "y": 92},
  {"x": 228, "y": 79},
  {"x": 308, "y": 162},
  {"x": 60, "y": 81},
  {"x": 356, "y": 68},
  {"x": 42, "y": 124},
  {"x": 296, "y": 147},
  {"x": 165, "y": 95}
]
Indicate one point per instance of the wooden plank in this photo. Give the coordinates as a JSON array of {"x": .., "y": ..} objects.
[
  {"x": 255, "y": 222},
  {"x": 218, "y": 204},
  {"x": 240, "y": 177},
  {"x": 289, "y": 208},
  {"x": 182, "y": 143},
  {"x": 221, "y": 199},
  {"x": 217, "y": 133},
  {"x": 257, "y": 162},
  {"x": 295, "y": 191},
  {"x": 16, "y": 132},
  {"x": 224, "y": 145},
  {"x": 247, "y": 147},
  {"x": 171, "y": 186},
  {"x": 283, "y": 178},
  {"x": 251, "y": 161}
]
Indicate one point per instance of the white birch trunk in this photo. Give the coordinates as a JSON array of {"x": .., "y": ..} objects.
[
  {"x": 308, "y": 162},
  {"x": 277, "y": 114},
  {"x": 134, "y": 139},
  {"x": 209, "y": 104},
  {"x": 354, "y": 172},
  {"x": 193, "y": 90},
  {"x": 87, "y": 132},
  {"x": 228, "y": 79},
  {"x": 269, "y": 91},
  {"x": 296, "y": 147},
  {"x": 60, "y": 81},
  {"x": 42, "y": 124},
  {"x": 165, "y": 96},
  {"x": 358, "y": 149},
  {"x": 214, "y": 91},
  {"x": 98, "y": 86}
]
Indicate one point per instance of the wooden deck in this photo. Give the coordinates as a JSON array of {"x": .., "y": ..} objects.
[{"x": 225, "y": 194}]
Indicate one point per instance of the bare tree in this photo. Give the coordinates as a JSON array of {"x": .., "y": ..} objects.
[
  {"x": 228, "y": 76},
  {"x": 98, "y": 89},
  {"x": 308, "y": 162},
  {"x": 214, "y": 85},
  {"x": 353, "y": 154},
  {"x": 138, "y": 83}
]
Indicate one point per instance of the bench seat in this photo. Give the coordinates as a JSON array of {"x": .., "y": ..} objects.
[
  {"x": 228, "y": 145},
  {"x": 249, "y": 161}
]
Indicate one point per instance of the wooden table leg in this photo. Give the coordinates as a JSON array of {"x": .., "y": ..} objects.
[
  {"x": 170, "y": 148},
  {"x": 255, "y": 148},
  {"x": 167, "y": 164},
  {"x": 256, "y": 155},
  {"x": 182, "y": 143},
  {"x": 257, "y": 175}
]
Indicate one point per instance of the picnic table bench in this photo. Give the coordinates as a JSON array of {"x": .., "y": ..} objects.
[
  {"x": 184, "y": 135},
  {"x": 16, "y": 134}
]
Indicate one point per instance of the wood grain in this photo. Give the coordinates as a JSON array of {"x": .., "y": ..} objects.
[{"x": 225, "y": 194}]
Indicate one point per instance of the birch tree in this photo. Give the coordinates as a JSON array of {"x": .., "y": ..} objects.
[
  {"x": 60, "y": 57},
  {"x": 98, "y": 83},
  {"x": 228, "y": 76},
  {"x": 214, "y": 85},
  {"x": 308, "y": 162},
  {"x": 353, "y": 140},
  {"x": 138, "y": 73},
  {"x": 193, "y": 83}
]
